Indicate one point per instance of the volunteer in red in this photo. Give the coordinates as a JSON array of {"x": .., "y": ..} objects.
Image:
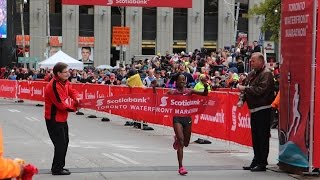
[
  {"x": 182, "y": 125},
  {"x": 57, "y": 105}
]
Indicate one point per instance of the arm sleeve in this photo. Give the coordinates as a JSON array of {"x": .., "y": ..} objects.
[
  {"x": 262, "y": 87},
  {"x": 73, "y": 93},
  {"x": 275, "y": 103}
]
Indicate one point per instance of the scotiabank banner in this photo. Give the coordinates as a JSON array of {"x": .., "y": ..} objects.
[
  {"x": 151, "y": 104},
  {"x": 295, "y": 85},
  {"x": 135, "y": 3},
  {"x": 215, "y": 115}
]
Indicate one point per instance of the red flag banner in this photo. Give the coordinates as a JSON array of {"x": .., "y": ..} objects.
[
  {"x": 135, "y": 3},
  {"x": 295, "y": 86}
]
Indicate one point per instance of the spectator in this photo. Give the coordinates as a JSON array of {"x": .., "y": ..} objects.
[
  {"x": 203, "y": 79},
  {"x": 159, "y": 80},
  {"x": 112, "y": 80},
  {"x": 134, "y": 79},
  {"x": 147, "y": 81},
  {"x": 12, "y": 75},
  {"x": 258, "y": 92},
  {"x": 74, "y": 78}
]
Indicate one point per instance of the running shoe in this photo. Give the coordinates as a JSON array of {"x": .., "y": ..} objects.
[{"x": 183, "y": 171}]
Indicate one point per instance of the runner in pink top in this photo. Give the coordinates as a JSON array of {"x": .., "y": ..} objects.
[{"x": 182, "y": 125}]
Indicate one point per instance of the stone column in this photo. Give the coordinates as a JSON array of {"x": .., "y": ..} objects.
[
  {"x": 70, "y": 30},
  {"x": 226, "y": 17},
  {"x": 102, "y": 35},
  {"x": 38, "y": 28},
  {"x": 134, "y": 21},
  {"x": 164, "y": 41},
  {"x": 195, "y": 36}
]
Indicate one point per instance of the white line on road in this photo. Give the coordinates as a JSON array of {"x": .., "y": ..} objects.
[
  {"x": 32, "y": 119},
  {"x": 70, "y": 134},
  {"x": 13, "y": 110},
  {"x": 114, "y": 158},
  {"x": 35, "y": 119},
  {"x": 125, "y": 158},
  {"x": 28, "y": 118}
]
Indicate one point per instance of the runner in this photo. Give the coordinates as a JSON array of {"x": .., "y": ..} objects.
[{"x": 182, "y": 125}]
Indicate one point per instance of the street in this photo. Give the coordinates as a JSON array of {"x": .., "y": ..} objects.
[{"x": 109, "y": 150}]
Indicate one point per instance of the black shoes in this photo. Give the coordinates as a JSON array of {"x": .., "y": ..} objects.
[
  {"x": 249, "y": 167},
  {"x": 258, "y": 169},
  {"x": 62, "y": 172},
  {"x": 253, "y": 168}
]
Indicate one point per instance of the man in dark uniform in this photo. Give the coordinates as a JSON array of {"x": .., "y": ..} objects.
[
  {"x": 57, "y": 95},
  {"x": 258, "y": 92}
]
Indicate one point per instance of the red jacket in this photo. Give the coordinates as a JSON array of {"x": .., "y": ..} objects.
[{"x": 57, "y": 101}]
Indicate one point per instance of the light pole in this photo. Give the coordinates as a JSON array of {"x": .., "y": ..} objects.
[
  {"x": 22, "y": 25},
  {"x": 122, "y": 25},
  {"x": 22, "y": 28}
]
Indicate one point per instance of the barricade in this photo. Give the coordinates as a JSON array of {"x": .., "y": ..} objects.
[{"x": 224, "y": 120}]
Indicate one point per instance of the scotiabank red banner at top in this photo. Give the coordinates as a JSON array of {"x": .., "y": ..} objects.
[{"x": 136, "y": 3}]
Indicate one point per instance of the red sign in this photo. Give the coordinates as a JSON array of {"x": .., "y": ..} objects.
[
  {"x": 8, "y": 88},
  {"x": 135, "y": 3},
  {"x": 120, "y": 35},
  {"x": 296, "y": 33}
]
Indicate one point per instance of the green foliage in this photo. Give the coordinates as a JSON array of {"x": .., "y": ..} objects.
[{"x": 271, "y": 10}]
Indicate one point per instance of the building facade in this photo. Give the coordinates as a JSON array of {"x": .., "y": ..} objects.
[{"x": 209, "y": 24}]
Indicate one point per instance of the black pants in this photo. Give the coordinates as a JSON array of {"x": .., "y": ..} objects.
[
  {"x": 260, "y": 131},
  {"x": 58, "y": 132}
]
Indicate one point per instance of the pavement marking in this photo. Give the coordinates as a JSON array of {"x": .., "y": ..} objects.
[
  {"x": 35, "y": 119},
  {"x": 13, "y": 110},
  {"x": 126, "y": 158},
  {"x": 73, "y": 135},
  {"x": 114, "y": 158},
  {"x": 32, "y": 119}
]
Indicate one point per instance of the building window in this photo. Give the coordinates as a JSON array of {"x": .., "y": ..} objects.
[
  {"x": 180, "y": 29},
  {"x": 210, "y": 23},
  {"x": 86, "y": 9},
  {"x": 86, "y": 21},
  {"x": 243, "y": 20},
  {"x": 149, "y": 30}
]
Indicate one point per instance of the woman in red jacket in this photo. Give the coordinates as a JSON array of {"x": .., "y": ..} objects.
[{"x": 58, "y": 95}]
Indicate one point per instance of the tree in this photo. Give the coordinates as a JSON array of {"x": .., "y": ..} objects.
[{"x": 271, "y": 10}]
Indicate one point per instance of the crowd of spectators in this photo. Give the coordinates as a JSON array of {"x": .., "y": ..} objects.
[{"x": 224, "y": 68}]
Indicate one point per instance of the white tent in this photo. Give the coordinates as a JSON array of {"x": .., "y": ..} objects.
[
  {"x": 106, "y": 67},
  {"x": 61, "y": 57}
]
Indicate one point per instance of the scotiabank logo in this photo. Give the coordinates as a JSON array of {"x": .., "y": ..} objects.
[
  {"x": 173, "y": 102},
  {"x": 127, "y": 100},
  {"x": 239, "y": 120},
  {"x": 109, "y": 2},
  {"x": 99, "y": 102},
  {"x": 163, "y": 101}
]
